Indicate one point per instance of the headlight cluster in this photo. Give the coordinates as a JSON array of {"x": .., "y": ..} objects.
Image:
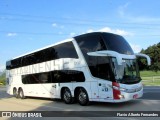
[{"x": 127, "y": 90}]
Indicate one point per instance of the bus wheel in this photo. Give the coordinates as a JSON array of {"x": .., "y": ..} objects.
[
  {"x": 21, "y": 94},
  {"x": 67, "y": 96},
  {"x": 15, "y": 93},
  {"x": 82, "y": 97}
]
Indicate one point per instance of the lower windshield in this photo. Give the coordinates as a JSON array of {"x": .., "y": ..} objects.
[{"x": 126, "y": 73}]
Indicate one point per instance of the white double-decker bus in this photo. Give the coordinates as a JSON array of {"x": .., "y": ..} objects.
[{"x": 91, "y": 67}]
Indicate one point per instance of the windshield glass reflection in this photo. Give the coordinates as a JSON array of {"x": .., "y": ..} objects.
[{"x": 128, "y": 72}]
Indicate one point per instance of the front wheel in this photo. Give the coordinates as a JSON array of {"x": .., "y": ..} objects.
[{"x": 83, "y": 97}]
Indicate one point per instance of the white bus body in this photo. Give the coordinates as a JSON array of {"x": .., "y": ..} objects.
[{"x": 90, "y": 67}]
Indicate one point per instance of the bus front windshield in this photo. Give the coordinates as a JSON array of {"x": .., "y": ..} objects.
[{"x": 126, "y": 73}]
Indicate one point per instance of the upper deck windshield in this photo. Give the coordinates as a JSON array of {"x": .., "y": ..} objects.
[{"x": 117, "y": 43}]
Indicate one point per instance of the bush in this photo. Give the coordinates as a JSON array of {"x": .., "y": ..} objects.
[{"x": 3, "y": 79}]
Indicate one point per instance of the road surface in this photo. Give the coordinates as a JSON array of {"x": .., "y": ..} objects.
[{"x": 149, "y": 102}]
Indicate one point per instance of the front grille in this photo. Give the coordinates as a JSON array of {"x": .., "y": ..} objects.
[{"x": 133, "y": 90}]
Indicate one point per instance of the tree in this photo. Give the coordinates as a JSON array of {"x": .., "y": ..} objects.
[
  {"x": 154, "y": 53},
  {"x": 3, "y": 78}
]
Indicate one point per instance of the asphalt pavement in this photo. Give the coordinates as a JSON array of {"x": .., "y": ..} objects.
[{"x": 150, "y": 102}]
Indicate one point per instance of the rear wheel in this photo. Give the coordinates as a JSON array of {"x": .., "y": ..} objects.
[
  {"x": 15, "y": 94},
  {"x": 67, "y": 96},
  {"x": 82, "y": 97},
  {"x": 21, "y": 94}
]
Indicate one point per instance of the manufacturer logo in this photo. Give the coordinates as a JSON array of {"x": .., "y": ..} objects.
[{"x": 6, "y": 114}]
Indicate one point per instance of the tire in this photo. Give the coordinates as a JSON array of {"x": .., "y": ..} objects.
[
  {"x": 82, "y": 97},
  {"x": 21, "y": 94},
  {"x": 15, "y": 94},
  {"x": 67, "y": 96}
]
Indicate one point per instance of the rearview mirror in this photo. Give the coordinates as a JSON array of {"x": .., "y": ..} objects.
[
  {"x": 145, "y": 56},
  {"x": 107, "y": 53}
]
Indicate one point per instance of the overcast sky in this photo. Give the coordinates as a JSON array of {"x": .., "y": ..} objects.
[{"x": 26, "y": 25}]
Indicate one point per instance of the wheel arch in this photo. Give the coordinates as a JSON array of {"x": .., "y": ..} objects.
[
  {"x": 20, "y": 88},
  {"x": 14, "y": 88},
  {"x": 76, "y": 90},
  {"x": 62, "y": 90}
]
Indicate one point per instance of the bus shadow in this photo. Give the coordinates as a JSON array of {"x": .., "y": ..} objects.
[{"x": 114, "y": 105}]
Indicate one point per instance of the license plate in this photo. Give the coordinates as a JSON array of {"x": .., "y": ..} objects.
[{"x": 135, "y": 96}]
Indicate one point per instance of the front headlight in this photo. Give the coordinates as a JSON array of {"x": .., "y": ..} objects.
[
  {"x": 126, "y": 90},
  {"x": 119, "y": 88},
  {"x": 116, "y": 88}
]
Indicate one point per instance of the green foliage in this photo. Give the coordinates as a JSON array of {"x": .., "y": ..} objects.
[
  {"x": 154, "y": 53},
  {"x": 3, "y": 78}
]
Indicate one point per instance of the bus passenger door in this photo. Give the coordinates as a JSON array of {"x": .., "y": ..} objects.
[
  {"x": 104, "y": 73},
  {"x": 53, "y": 90}
]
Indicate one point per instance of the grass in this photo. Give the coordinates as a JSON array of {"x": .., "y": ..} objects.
[
  {"x": 150, "y": 78},
  {"x": 149, "y": 73},
  {"x": 147, "y": 83}
]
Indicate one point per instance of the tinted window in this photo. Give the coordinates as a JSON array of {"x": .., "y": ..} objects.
[
  {"x": 25, "y": 61},
  {"x": 103, "y": 68},
  {"x": 58, "y": 76},
  {"x": 45, "y": 55},
  {"x": 99, "y": 66},
  {"x": 62, "y": 76},
  {"x": 30, "y": 79},
  {"x": 39, "y": 57},
  {"x": 37, "y": 78},
  {"x": 117, "y": 43},
  {"x": 65, "y": 50},
  {"x": 90, "y": 44},
  {"x": 8, "y": 65},
  {"x": 16, "y": 63}
]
